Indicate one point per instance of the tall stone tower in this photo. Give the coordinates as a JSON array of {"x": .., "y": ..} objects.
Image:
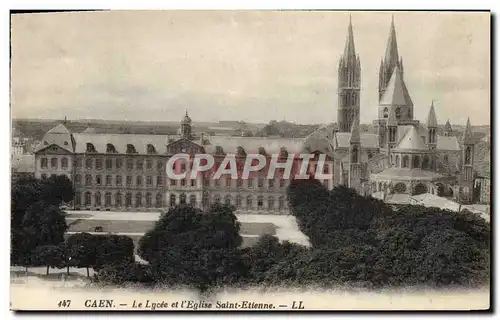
[
  {"x": 349, "y": 80},
  {"x": 355, "y": 165},
  {"x": 432, "y": 125},
  {"x": 467, "y": 183}
]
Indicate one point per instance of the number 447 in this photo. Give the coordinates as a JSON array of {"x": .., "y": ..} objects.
[{"x": 64, "y": 303}]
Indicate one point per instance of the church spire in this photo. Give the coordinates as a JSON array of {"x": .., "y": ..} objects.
[
  {"x": 390, "y": 61},
  {"x": 349, "y": 82},
  {"x": 467, "y": 138},
  {"x": 431, "y": 118},
  {"x": 391, "y": 51},
  {"x": 349, "y": 49}
]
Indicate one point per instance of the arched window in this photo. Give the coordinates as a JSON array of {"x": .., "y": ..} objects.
[
  {"x": 419, "y": 189},
  {"x": 108, "y": 180},
  {"x": 128, "y": 199},
  {"x": 386, "y": 112},
  {"x": 97, "y": 197},
  {"x": 468, "y": 155},
  {"x": 398, "y": 112},
  {"x": 425, "y": 162},
  {"x": 107, "y": 199},
  {"x": 406, "y": 161},
  {"x": 64, "y": 163},
  {"x": 88, "y": 198},
  {"x": 53, "y": 163},
  {"x": 118, "y": 200},
  {"x": 44, "y": 163},
  {"x": 98, "y": 180},
  {"x": 149, "y": 200},
  {"x": 159, "y": 200},
  {"x": 78, "y": 198},
  {"x": 416, "y": 162},
  {"x": 78, "y": 179},
  {"x": 270, "y": 203},
  {"x": 206, "y": 200},
  {"x": 88, "y": 180},
  {"x": 281, "y": 203},
  {"x": 110, "y": 148},
  {"x": 398, "y": 164},
  {"x": 410, "y": 114},
  {"x": 182, "y": 199},
  {"x": 173, "y": 200},
  {"x": 238, "y": 202},
  {"x": 354, "y": 156},
  {"x": 90, "y": 148},
  {"x": 151, "y": 149},
  {"x": 227, "y": 199},
  {"x": 192, "y": 200},
  {"x": 88, "y": 163},
  {"x": 131, "y": 148},
  {"x": 260, "y": 202},
  {"x": 138, "y": 200},
  {"x": 249, "y": 202}
]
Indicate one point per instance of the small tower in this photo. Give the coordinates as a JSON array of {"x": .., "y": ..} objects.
[
  {"x": 467, "y": 185},
  {"x": 355, "y": 165},
  {"x": 392, "y": 127},
  {"x": 431, "y": 128},
  {"x": 186, "y": 127},
  {"x": 349, "y": 80},
  {"x": 447, "y": 128}
]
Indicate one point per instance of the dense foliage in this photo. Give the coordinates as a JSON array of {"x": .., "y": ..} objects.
[{"x": 36, "y": 218}]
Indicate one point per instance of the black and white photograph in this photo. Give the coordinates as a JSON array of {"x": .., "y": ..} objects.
[{"x": 250, "y": 160}]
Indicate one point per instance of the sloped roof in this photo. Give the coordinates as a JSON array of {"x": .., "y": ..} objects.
[
  {"x": 447, "y": 143},
  {"x": 120, "y": 141},
  {"x": 396, "y": 93},
  {"x": 368, "y": 140},
  {"x": 467, "y": 136},
  {"x": 319, "y": 140},
  {"x": 60, "y": 128},
  {"x": 354, "y": 138},
  {"x": 252, "y": 144},
  {"x": 411, "y": 141}
]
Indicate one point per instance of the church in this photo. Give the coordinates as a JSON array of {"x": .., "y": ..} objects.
[{"x": 403, "y": 156}]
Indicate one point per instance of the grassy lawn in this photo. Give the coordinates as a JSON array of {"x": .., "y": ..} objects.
[
  {"x": 111, "y": 226},
  {"x": 257, "y": 228}
]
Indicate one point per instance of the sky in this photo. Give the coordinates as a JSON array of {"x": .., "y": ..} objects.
[{"x": 253, "y": 66}]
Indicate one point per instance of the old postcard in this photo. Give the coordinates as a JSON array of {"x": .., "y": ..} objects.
[{"x": 250, "y": 160}]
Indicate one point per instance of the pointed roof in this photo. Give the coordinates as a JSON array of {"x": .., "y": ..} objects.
[
  {"x": 468, "y": 138},
  {"x": 447, "y": 126},
  {"x": 431, "y": 118},
  {"x": 60, "y": 128},
  {"x": 355, "y": 137},
  {"x": 391, "y": 51},
  {"x": 396, "y": 93},
  {"x": 411, "y": 141},
  {"x": 349, "y": 50},
  {"x": 392, "y": 121}
]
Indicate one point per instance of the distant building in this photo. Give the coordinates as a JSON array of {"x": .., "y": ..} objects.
[
  {"x": 22, "y": 166},
  {"x": 404, "y": 156}
]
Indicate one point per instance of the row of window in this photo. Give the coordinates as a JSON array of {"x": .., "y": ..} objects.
[
  {"x": 149, "y": 181},
  {"x": 139, "y": 200},
  {"x": 397, "y": 112},
  {"x": 272, "y": 204},
  {"x": 110, "y": 148},
  {"x": 119, "y": 200},
  {"x": 117, "y": 163},
  {"x": 54, "y": 163},
  {"x": 108, "y": 180},
  {"x": 404, "y": 161}
]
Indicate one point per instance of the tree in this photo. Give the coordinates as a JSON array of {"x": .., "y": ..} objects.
[
  {"x": 112, "y": 249},
  {"x": 192, "y": 247},
  {"x": 52, "y": 256},
  {"x": 82, "y": 250},
  {"x": 43, "y": 225},
  {"x": 57, "y": 189}
]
